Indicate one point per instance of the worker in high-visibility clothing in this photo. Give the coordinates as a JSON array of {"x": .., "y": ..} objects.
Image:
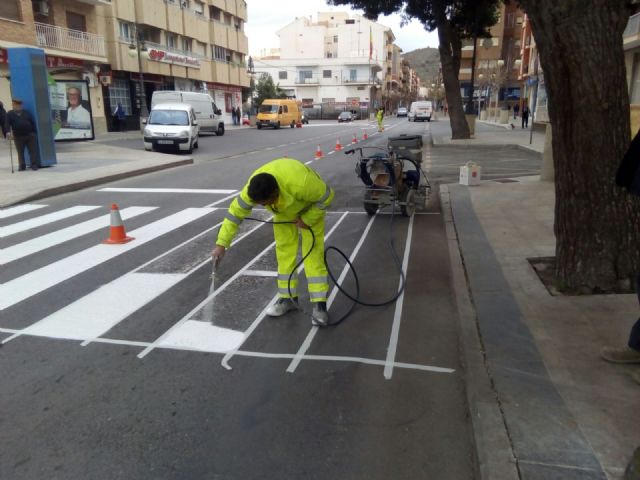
[
  {"x": 380, "y": 119},
  {"x": 294, "y": 193}
]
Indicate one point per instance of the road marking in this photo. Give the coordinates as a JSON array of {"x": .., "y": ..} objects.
[
  {"x": 395, "y": 329},
  {"x": 44, "y": 219},
  {"x": 260, "y": 317},
  {"x": 307, "y": 163},
  {"x": 39, "y": 280},
  {"x": 259, "y": 273},
  {"x": 222, "y": 200},
  {"x": 204, "y": 302},
  {"x": 314, "y": 330},
  {"x": 167, "y": 190},
  {"x": 43, "y": 242},
  {"x": 18, "y": 209},
  {"x": 202, "y": 336}
]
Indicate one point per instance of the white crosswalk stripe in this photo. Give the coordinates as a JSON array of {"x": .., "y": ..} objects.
[
  {"x": 44, "y": 219},
  {"x": 19, "y": 209}
]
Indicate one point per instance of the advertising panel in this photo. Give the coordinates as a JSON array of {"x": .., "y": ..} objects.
[{"x": 71, "y": 110}]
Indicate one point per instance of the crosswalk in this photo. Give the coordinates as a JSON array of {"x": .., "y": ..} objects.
[{"x": 94, "y": 302}]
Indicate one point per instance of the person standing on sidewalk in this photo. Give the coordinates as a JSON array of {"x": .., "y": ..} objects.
[
  {"x": 525, "y": 117},
  {"x": 22, "y": 128},
  {"x": 120, "y": 117},
  {"x": 628, "y": 176},
  {"x": 233, "y": 116},
  {"x": 298, "y": 199},
  {"x": 3, "y": 120},
  {"x": 238, "y": 116},
  {"x": 516, "y": 109}
]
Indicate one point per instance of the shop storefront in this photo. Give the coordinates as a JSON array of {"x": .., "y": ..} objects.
[{"x": 226, "y": 97}]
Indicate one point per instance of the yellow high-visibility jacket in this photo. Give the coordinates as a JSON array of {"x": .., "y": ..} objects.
[{"x": 302, "y": 193}]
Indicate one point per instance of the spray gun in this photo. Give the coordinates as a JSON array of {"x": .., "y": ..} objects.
[{"x": 208, "y": 308}]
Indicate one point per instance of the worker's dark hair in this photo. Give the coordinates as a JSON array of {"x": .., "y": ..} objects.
[{"x": 262, "y": 187}]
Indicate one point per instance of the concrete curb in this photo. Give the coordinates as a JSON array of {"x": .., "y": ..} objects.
[
  {"x": 71, "y": 187},
  {"x": 494, "y": 451}
]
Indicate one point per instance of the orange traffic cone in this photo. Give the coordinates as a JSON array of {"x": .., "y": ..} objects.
[
  {"x": 355, "y": 139},
  {"x": 116, "y": 231},
  {"x": 318, "y": 152},
  {"x": 365, "y": 136},
  {"x": 338, "y": 146}
]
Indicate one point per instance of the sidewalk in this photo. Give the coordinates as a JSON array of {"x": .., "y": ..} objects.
[
  {"x": 80, "y": 165},
  {"x": 543, "y": 404}
]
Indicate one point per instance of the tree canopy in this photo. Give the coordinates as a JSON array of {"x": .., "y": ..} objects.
[{"x": 265, "y": 88}]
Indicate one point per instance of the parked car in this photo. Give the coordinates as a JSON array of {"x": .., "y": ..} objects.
[
  {"x": 402, "y": 112},
  {"x": 171, "y": 125},
  {"x": 354, "y": 115},
  {"x": 208, "y": 115},
  {"x": 344, "y": 117}
]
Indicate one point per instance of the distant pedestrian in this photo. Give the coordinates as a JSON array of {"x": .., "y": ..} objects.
[
  {"x": 525, "y": 117},
  {"x": 119, "y": 117},
  {"x": 628, "y": 176},
  {"x": 238, "y": 116},
  {"x": 3, "y": 120},
  {"x": 22, "y": 128},
  {"x": 516, "y": 109},
  {"x": 446, "y": 109}
]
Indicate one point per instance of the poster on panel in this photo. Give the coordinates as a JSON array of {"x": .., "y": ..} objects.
[{"x": 71, "y": 110}]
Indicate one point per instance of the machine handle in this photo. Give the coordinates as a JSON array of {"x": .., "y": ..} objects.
[{"x": 349, "y": 152}]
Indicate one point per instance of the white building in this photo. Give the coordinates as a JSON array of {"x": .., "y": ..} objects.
[{"x": 333, "y": 64}]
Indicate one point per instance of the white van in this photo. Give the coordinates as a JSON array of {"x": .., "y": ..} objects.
[
  {"x": 208, "y": 114},
  {"x": 171, "y": 125},
  {"x": 420, "y": 111}
]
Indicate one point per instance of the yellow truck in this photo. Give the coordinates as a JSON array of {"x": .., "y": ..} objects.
[{"x": 278, "y": 112}]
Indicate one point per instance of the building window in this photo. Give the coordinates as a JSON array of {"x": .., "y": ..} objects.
[
  {"x": 186, "y": 44},
  {"x": 353, "y": 74},
  {"x": 215, "y": 13},
  {"x": 201, "y": 48},
  {"x": 75, "y": 21},
  {"x": 172, "y": 40},
  {"x": 184, "y": 4},
  {"x": 219, "y": 53},
  {"x": 198, "y": 7},
  {"x": 10, "y": 9},
  {"x": 335, "y": 39},
  {"x": 119, "y": 92},
  {"x": 126, "y": 31},
  {"x": 282, "y": 75},
  {"x": 227, "y": 18},
  {"x": 304, "y": 75},
  {"x": 326, "y": 73}
]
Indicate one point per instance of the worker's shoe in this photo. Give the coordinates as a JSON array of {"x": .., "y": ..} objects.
[
  {"x": 620, "y": 355},
  {"x": 320, "y": 316},
  {"x": 282, "y": 306}
]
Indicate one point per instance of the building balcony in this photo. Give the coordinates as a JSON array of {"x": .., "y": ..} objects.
[
  {"x": 358, "y": 80},
  {"x": 307, "y": 81},
  {"x": 51, "y": 36}
]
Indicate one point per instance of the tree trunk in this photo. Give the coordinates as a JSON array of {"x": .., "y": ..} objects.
[
  {"x": 597, "y": 224},
  {"x": 450, "y": 49}
]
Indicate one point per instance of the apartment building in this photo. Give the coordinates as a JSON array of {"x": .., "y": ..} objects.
[
  {"x": 631, "y": 43},
  {"x": 534, "y": 94},
  {"x": 339, "y": 62},
  {"x": 190, "y": 45},
  {"x": 497, "y": 60}
]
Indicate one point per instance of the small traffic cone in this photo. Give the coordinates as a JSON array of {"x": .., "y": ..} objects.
[
  {"x": 355, "y": 139},
  {"x": 338, "y": 146},
  {"x": 117, "y": 233},
  {"x": 318, "y": 152},
  {"x": 365, "y": 136},
  {"x": 299, "y": 125}
]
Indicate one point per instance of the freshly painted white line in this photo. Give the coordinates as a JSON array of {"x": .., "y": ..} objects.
[
  {"x": 166, "y": 190},
  {"x": 18, "y": 209},
  {"x": 307, "y": 163},
  {"x": 204, "y": 337},
  {"x": 222, "y": 200},
  {"x": 259, "y": 273},
  {"x": 121, "y": 287},
  {"x": 260, "y": 317},
  {"x": 121, "y": 342},
  {"x": 312, "y": 333},
  {"x": 44, "y": 219},
  {"x": 395, "y": 329},
  {"x": 208, "y": 299},
  {"x": 98, "y": 312},
  {"x": 39, "y": 280},
  {"x": 331, "y": 153},
  {"x": 38, "y": 244}
]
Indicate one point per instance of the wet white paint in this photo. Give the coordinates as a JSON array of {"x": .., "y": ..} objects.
[{"x": 202, "y": 336}]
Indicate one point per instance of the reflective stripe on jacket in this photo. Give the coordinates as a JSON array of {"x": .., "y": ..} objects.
[{"x": 302, "y": 193}]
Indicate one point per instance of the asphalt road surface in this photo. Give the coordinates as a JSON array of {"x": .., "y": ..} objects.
[{"x": 121, "y": 362}]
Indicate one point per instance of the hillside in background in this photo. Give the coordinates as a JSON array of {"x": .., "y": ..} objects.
[{"x": 426, "y": 62}]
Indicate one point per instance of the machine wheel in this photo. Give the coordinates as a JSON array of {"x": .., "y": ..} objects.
[
  {"x": 370, "y": 208},
  {"x": 410, "y": 205},
  {"x": 220, "y": 131},
  {"x": 277, "y": 126}
]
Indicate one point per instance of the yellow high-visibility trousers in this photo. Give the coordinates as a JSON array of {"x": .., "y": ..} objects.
[{"x": 287, "y": 237}]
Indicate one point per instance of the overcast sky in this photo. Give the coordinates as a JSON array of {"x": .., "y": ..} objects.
[{"x": 266, "y": 17}]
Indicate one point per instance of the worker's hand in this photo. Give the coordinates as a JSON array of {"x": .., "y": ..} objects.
[
  {"x": 218, "y": 254},
  {"x": 300, "y": 224}
]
